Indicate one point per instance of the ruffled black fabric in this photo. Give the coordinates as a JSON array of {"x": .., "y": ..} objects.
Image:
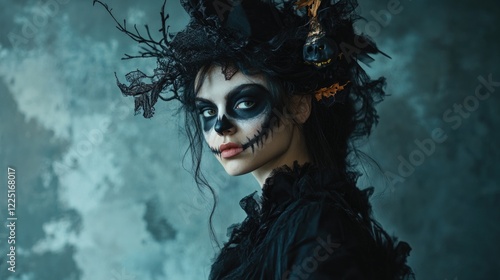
[{"x": 308, "y": 225}]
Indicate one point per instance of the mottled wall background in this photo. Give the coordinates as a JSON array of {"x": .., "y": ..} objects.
[{"x": 101, "y": 194}]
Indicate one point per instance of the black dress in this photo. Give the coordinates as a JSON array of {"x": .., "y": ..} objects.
[{"x": 307, "y": 225}]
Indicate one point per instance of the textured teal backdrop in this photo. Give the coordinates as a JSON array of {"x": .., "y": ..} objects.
[{"x": 102, "y": 194}]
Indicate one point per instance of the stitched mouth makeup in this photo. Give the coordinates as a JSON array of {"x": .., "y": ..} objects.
[{"x": 257, "y": 140}]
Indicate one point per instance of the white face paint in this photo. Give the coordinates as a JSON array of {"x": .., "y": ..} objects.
[{"x": 238, "y": 123}]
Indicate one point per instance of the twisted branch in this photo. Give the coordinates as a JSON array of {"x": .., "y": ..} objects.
[{"x": 150, "y": 47}]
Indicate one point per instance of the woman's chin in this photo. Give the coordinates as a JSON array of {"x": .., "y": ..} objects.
[{"x": 235, "y": 167}]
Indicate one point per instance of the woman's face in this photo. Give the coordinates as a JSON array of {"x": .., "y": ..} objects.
[{"x": 239, "y": 123}]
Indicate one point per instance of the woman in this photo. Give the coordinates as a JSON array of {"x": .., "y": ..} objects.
[{"x": 274, "y": 88}]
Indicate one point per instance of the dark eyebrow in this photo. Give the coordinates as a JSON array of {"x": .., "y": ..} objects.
[{"x": 232, "y": 92}]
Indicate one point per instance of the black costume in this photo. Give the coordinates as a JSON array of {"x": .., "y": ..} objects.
[
  {"x": 306, "y": 227},
  {"x": 313, "y": 222}
]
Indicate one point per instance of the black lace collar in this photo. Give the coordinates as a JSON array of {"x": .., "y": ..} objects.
[{"x": 287, "y": 184}]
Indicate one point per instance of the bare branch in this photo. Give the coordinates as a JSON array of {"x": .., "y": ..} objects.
[{"x": 150, "y": 47}]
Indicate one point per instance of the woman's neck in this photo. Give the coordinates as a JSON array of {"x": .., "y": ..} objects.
[{"x": 297, "y": 151}]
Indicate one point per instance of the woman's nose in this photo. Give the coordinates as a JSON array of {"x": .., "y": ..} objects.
[{"x": 224, "y": 126}]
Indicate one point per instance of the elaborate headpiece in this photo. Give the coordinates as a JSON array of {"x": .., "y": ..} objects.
[{"x": 310, "y": 44}]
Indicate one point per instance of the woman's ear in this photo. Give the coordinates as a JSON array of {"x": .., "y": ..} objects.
[{"x": 300, "y": 107}]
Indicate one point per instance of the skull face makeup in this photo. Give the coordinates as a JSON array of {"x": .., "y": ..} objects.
[
  {"x": 238, "y": 122},
  {"x": 245, "y": 102}
]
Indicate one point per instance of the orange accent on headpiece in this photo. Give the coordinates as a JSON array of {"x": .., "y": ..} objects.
[
  {"x": 312, "y": 6},
  {"x": 329, "y": 91}
]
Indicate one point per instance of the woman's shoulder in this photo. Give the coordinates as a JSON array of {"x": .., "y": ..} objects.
[
  {"x": 308, "y": 224},
  {"x": 327, "y": 224},
  {"x": 321, "y": 240}
]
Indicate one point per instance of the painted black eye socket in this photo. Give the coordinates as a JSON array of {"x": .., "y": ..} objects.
[
  {"x": 208, "y": 112},
  {"x": 245, "y": 104},
  {"x": 248, "y": 101},
  {"x": 206, "y": 109}
]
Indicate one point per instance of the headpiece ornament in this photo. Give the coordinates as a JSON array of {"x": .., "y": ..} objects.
[{"x": 315, "y": 51}]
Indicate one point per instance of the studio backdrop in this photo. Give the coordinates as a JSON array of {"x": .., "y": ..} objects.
[{"x": 89, "y": 191}]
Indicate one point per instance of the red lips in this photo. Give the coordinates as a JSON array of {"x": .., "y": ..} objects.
[{"x": 230, "y": 149}]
